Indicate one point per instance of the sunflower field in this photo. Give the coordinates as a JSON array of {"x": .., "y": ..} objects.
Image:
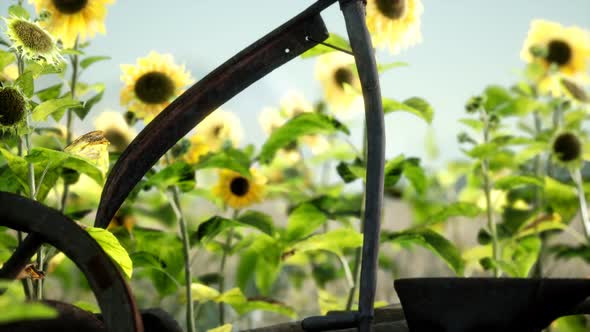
[{"x": 254, "y": 217}]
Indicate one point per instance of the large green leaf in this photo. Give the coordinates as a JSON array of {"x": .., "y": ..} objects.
[
  {"x": 55, "y": 159},
  {"x": 345, "y": 205},
  {"x": 572, "y": 324},
  {"x": 26, "y": 84},
  {"x": 20, "y": 169},
  {"x": 109, "y": 243},
  {"x": 415, "y": 105},
  {"x": 258, "y": 220},
  {"x": 14, "y": 308},
  {"x": 496, "y": 97},
  {"x": 178, "y": 174},
  {"x": 562, "y": 198},
  {"x": 302, "y": 222},
  {"x": 215, "y": 225},
  {"x": 18, "y": 11},
  {"x": 87, "y": 62},
  {"x": 519, "y": 257},
  {"x": 46, "y": 108},
  {"x": 6, "y": 58},
  {"x": 334, "y": 241},
  {"x": 320, "y": 49},
  {"x": 511, "y": 181},
  {"x": 52, "y": 92},
  {"x": 231, "y": 159},
  {"x": 301, "y": 125},
  {"x": 456, "y": 209},
  {"x": 432, "y": 241}
]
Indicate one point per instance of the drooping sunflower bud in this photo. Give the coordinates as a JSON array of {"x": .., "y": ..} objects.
[
  {"x": 474, "y": 104},
  {"x": 12, "y": 108},
  {"x": 32, "y": 41},
  {"x": 567, "y": 147}
]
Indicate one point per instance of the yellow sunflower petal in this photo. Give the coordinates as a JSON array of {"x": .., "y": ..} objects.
[{"x": 394, "y": 23}]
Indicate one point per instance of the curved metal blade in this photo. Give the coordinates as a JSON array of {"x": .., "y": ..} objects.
[
  {"x": 275, "y": 49},
  {"x": 112, "y": 292}
]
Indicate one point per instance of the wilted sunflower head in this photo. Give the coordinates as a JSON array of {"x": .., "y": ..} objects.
[
  {"x": 551, "y": 44},
  {"x": 152, "y": 84},
  {"x": 115, "y": 130},
  {"x": 219, "y": 128},
  {"x": 13, "y": 108},
  {"x": 32, "y": 41},
  {"x": 394, "y": 23},
  {"x": 238, "y": 191},
  {"x": 340, "y": 82},
  {"x": 71, "y": 19},
  {"x": 567, "y": 147}
]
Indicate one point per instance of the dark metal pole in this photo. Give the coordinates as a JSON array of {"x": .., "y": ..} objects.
[{"x": 360, "y": 41}]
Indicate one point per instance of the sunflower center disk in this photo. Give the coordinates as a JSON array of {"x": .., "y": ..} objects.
[
  {"x": 70, "y": 6},
  {"x": 12, "y": 107},
  {"x": 33, "y": 37},
  {"x": 394, "y": 9},
  {"x": 567, "y": 147},
  {"x": 239, "y": 186},
  {"x": 343, "y": 76},
  {"x": 154, "y": 88},
  {"x": 559, "y": 52},
  {"x": 116, "y": 138}
]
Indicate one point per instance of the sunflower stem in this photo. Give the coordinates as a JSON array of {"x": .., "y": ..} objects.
[
  {"x": 226, "y": 249},
  {"x": 487, "y": 187},
  {"x": 538, "y": 268},
  {"x": 31, "y": 177},
  {"x": 69, "y": 118},
  {"x": 190, "y": 311},
  {"x": 359, "y": 251},
  {"x": 577, "y": 177}
]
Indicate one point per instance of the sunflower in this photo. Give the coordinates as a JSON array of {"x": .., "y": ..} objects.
[
  {"x": 32, "y": 41},
  {"x": 70, "y": 19},
  {"x": 270, "y": 119},
  {"x": 197, "y": 149},
  {"x": 394, "y": 23},
  {"x": 238, "y": 191},
  {"x": 115, "y": 130},
  {"x": 9, "y": 73},
  {"x": 13, "y": 109},
  {"x": 219, "y": 128},
  {"x": 151, "y": 84},
  {"x": 340, "y": 81},
  {"x": 567, "y": 149},
  {"x": 567, "y": 49}
]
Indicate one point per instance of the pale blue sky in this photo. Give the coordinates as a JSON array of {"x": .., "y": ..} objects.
[{"x": 467, "y": 44}]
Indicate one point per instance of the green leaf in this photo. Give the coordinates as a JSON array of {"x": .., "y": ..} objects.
[
  {"x": 301, "y": 125},
  {"x": 457, "y": 209},
  {"x": 264, "y": 304},
  {"x": 258, "y": 220},
  {"x": 54, "y": 159},
  {"x": 46, "y": 108},
  {"x": 414, "y": 105},
  {"x": 519, "y": 257},
  {"x": 512, "y": 181},
  {"x": 210, "y": 228},
  {"x": 109, "y": 243},
  {"x": 303, "y": 221},
  {"x": 246, "y": 268},
  {"x": 19, "y": 167},
  {"x": 350, "y": 172},
  {"x": 333, "y": 241},
  {"x": 222, "y": 328},
  {"x": 562, "y": 198},
  {"x": 6, "y": 58},
  {"x": 178, "y": 174},
  {"x": 85, "y": 63},
  {"x": 83, "y": 111},
  {"x": 572, "y": 324},
  {"x": 339, "y": 206},
  {"x": 142, "y": 259},
  {"x": 51, "y": 92},
  {"x": 18, "y": 11},
  {"x": 415, "y": 174},
  {"x": 495, "y": 97},
  {"x": 231, "y": 159},
  {"x": 26, "y": 84},
  {"x": 566, "y": 252},
  {"x": 381, "y": 68},
  {"x": 39, "y": 69},
  {"x": 320, "y": 49},
  {"x": 432, "y": 241},
  {"x": 203, "y": 293},
  {"x": 26, "y": 311},
  {"x": 484, "y": 150},
  {"x": 474, "y": 124},
  {"x": 393, "y": 170}
]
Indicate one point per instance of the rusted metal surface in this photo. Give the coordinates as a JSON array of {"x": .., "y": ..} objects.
[
  {"x": 275, "y": 49},
  {"x": 111, "y": 291}
]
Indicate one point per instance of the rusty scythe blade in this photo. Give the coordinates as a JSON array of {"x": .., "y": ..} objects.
[
  {"x": 112, "y": 292},
  {"x": 275, "y": 49}
]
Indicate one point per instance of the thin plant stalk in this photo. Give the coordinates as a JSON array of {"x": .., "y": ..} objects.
[
  {"x": 226, "y": 249},
  {"x": 31, "y": 182},
  {"x": 487, "y": 187},
  {"x": 577, "y": 177},
  {"x": 74, "y": 59},
  {"x": 190, "y": 311},
  {"x": 538, "y": 268}
]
